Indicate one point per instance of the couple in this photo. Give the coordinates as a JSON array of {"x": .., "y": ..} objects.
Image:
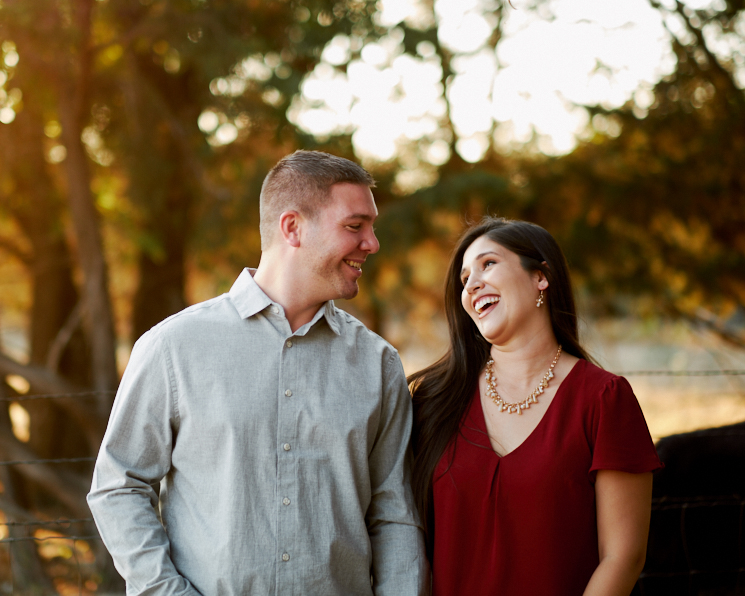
[{"x": 259, "y": 442}]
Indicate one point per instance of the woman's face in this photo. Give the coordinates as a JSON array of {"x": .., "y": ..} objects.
[{"x": 498, "y": 294}]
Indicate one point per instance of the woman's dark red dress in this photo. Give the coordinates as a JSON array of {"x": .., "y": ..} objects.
[{"x": 524, "y": 524}]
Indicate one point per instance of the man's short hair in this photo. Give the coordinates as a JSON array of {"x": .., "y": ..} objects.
[{"x": 302, "y": 181}]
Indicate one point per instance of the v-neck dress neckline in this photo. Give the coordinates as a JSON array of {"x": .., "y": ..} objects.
[
  {"x": 481, "y": 420},
  {"x": 524, "y": 523}
]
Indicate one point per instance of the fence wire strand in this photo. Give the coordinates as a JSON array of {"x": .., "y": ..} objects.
[
  {"x": 681, "y": 373},
  {"x": 79, "y": 394},
  {"x": 662, "y": 504},
  {"x": 45, "y": 538},
  {"x": 62, "y": 460},
  {"x": 51, "y": 522}
]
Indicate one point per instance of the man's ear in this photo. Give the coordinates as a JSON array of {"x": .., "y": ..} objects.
[{"x": 289, "y": 227}]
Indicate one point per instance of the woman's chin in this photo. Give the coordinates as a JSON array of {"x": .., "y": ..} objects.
[{"x": 490, "y": 334}]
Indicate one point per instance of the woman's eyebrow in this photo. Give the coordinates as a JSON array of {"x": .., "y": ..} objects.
[
  {"x": 483, "y": 254},
  {"x": 488, "y": 252}
]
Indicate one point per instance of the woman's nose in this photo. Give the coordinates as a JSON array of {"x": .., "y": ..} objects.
[{"x": 473, "y": 283}]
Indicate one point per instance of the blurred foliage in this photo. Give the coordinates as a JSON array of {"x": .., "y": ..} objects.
[
  {"x": 179, "y": 108},
  {"x": 650, "y": 211},
  {"x": 659, "y": 210}
]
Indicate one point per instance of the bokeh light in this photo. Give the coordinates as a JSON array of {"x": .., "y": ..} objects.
[{"x": 550, "y": 62}]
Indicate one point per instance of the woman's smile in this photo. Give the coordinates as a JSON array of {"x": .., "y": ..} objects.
[{"x": 486, "y": 304}]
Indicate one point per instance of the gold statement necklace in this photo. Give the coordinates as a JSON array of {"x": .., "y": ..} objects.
[{"x": 491, "y": 388}]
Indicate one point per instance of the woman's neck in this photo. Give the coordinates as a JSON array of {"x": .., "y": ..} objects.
[{"x": 519, "y": 365}]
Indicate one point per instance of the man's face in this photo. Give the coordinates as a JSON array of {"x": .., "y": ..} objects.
[{"x": 338, "y": 240}]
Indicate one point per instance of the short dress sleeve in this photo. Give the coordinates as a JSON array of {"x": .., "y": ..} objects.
[{"x": 621, "y": 438}]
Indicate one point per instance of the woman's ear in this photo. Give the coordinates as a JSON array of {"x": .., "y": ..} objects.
[
  {"x": 289, "y": 227},
  {"x": 541, "y": 280}
]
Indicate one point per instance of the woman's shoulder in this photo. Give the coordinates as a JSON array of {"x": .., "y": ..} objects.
[{"x": 595, "y": 382}]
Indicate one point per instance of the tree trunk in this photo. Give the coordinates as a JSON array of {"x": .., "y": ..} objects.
[
  {"x": 37, "y": 207},
  {"x": 160, "y": 291},
  {"x": 73, "y": 91}
]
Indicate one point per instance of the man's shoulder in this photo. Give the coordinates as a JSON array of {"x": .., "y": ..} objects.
[
  {"x": 352, "y": 327},
  {"x": 203, "y": 315}
]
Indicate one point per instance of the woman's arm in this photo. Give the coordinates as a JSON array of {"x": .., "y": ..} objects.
[{"x": 623, "y": 511}]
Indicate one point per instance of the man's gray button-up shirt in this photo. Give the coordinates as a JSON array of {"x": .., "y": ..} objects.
[{"x": 203, "y": 410}]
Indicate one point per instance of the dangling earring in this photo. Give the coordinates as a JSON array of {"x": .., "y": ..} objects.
[{"x": 539, "y": 300}]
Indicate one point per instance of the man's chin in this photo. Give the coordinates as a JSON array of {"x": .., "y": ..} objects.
[
  {"x": 351, "y": 295},
  {"x": 349, "y": 292}
]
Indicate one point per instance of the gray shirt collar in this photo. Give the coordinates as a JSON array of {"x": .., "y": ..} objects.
[{"x": 249, "y": 299}]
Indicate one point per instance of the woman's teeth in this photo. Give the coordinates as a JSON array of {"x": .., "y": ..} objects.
[{"x": 482, "y": 303}]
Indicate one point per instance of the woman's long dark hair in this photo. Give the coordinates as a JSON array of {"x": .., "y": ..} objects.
[{"x": 443, "y": 391}]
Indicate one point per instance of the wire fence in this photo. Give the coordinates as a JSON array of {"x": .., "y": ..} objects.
[
  {"x": 683, "y": 574},
  {"x": 70, "y": 561}
]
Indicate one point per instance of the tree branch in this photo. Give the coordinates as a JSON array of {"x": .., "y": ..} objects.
[
  {"x": 69, "y": 488},
  {"x": 63, "y": 337},
  {"x": 712, "y": 323},
  {"x": 732, "y": 90},
  {"x": 14, "y": 249},
  {"x": 43, "y": 381}
]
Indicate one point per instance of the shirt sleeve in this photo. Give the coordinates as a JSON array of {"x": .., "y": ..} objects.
[
  {"x": 621, "y": 438},
  {"x": 400, "y": 566},
  {"x": 135, "y": 454}
]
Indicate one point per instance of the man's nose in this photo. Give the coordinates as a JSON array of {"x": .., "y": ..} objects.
[{"x": 370, "y": 243}]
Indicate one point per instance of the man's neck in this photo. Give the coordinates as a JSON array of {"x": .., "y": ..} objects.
[{"x": 286, "y": 289}]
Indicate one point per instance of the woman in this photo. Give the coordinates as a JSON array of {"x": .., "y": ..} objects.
[{"x": 532, "y": 465}]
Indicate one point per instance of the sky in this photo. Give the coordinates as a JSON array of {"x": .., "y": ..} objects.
[{"x": 549, "y": 64}]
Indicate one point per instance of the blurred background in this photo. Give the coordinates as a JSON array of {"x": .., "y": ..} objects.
[{"x": 135, "y": 134}]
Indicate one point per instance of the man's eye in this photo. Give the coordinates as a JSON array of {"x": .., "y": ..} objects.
[{"x": 354, "y": 226}]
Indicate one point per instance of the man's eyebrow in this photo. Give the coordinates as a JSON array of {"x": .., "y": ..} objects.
[{"x": 362, "y": 216}]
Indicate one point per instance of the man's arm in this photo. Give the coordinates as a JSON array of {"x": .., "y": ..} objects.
[
  {"x": 400, "y": 565},
  {"x": 136, "y": 454}
]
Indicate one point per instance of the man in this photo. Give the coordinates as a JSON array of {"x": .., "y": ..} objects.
[{"x": 276, "y": 425}]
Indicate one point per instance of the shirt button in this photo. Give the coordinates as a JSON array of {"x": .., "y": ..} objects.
[
  {"x": 286, "y": 447},
  {"x": 275, "y": 310},
  {"x": 285, "y": 501},
  {"x": 288, "y": 343},
  {"x": 285, "y": 557},
  {"x": 288, "y": 393}
]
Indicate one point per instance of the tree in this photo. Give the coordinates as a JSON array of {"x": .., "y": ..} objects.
[
  {"x": 659, "y": 210},
  {"x": 651, "y": 207},
  {"x": 107, "y": 97}
]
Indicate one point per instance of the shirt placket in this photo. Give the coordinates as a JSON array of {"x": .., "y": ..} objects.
[{"x": 287, "y": 447}]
